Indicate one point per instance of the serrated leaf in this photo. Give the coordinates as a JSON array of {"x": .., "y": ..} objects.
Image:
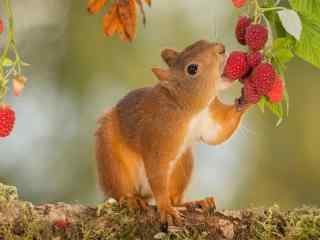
[
  {"x": 310, "y": 8},
  {"x": 291, "y": 22},
  {"x": 308, "y": 48},
  {"x": 7, "y": 62}
]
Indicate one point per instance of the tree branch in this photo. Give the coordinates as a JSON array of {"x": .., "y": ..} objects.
[{"x": 23, "y": 220}]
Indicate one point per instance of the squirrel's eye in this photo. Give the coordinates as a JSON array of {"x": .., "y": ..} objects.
[{"x": 192, "y": 69}]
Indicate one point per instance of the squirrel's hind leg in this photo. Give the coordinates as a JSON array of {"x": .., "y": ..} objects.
[
  {"x": 180, "y": 178},
  {"x": 118, "y": 166}
]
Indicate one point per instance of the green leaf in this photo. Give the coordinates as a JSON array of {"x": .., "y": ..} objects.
[
  {"x": 310, "y": 8},
  {"x": 262, "y": 103},
  {"x": 275, "y": 22},
  {"x": 284, "y": 42},
  {"x": 276, "y": 109},
  {"x": 284, "y": 55},
  {"x": 291, "y": 22},
  {"x": 308, "y": 48},
  {"x": 287, "y": 100},
  {"x": 7, "y": 62}
]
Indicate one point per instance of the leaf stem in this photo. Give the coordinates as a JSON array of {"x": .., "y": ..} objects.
[
  {"x": 10, "y": 44},
  {"x": 272, "y": 9}
]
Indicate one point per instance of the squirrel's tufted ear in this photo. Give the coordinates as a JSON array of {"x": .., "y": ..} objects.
[
  {"x": 161, "y": 74},
  {"x": 170, "y": 56}
]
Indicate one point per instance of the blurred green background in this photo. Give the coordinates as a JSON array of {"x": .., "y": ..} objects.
[{"x": 77, "y": 73}]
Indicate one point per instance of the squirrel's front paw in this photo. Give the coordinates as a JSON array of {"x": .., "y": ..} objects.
[
  {"x": 170, "y": 216},
  {"x": 207, "y": 204}
]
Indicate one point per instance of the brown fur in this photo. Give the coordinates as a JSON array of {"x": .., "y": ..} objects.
[{"x": 147, "y": 129}]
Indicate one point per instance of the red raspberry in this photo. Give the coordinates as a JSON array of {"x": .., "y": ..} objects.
[
  {"x": 250, "y": 92},
  {"x": 236, "y": 66},
  {"x": 62, "y": 224},
  {"x": 241, "y": 27},
  {"x": 277, "y": 92},
  {"x": 1, "y": 26},
  {"x": 7, "y": 120},
  {"x": 263, "y": 77},
  {"x": 239, "y": 3},
  {"x": 246, "y": 76},
  {"x": 256, "y": 36},
  {"x": 254, "y": 59}
]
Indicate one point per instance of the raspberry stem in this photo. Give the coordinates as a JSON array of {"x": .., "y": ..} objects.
[{"x": 10, "y": 44}]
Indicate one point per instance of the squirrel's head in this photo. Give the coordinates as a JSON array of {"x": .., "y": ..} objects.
[{"x": 199, "y": 64}]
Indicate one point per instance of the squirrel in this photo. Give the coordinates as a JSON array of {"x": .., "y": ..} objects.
[{"x": 144, "y": 143}]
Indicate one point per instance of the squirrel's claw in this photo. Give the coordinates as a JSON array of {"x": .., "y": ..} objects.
[
  {"x": 170, "y": 217},
  {"x": 135, "y": 202},
  {"x": 241, "y": 104}
]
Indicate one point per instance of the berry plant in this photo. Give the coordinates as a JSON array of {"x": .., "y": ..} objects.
[
  {"x": 273, "y": 32},
  {"x": 11, "y": 66}
]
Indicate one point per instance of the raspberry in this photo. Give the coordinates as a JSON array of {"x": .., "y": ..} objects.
[
  {"x": 7, "y": 120},
  {"x": 250, "y": 92},
  {"x": 236, "y": 66},
  {"x": 1, "y": 26},
  {"x": 246, "y": 76},
  {"x": 239, "y": 3},
  {"x": 256, "y": 36},
  {"x": 263, "y": 77},
  {"x": 277, "y": 91},
  {"x": 241, "y": 27},
  {"x": 61, "y": 224},
  {"x": 254, "y": 59}
]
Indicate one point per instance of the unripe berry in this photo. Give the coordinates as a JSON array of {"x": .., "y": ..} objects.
[{"x": 277, "y": 92}]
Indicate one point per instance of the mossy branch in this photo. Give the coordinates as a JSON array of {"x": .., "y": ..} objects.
[{"x": 23, "y": 220}]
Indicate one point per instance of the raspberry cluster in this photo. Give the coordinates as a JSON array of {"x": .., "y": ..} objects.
[
  {"x": 7, "y": 120},
  {"x": 252, "y": 68}
]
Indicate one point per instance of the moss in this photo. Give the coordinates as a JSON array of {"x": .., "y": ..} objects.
[
  {"x": 8, "y": 193},
  {"x": 298, "y": 224},
  {"x": 23, "y": 223},
  {"x": 304, "y": 224},
  {"x": 21, "y": 220},
  {"x": 115, "y": 222},
  {"x": 183, "y": 234}
]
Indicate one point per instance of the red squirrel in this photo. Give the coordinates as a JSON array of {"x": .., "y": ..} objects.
[{"x": 144, "y": 143}]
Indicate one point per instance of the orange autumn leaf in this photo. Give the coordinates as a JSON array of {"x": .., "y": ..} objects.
[
  {"x": 121, "y": 17},
  {"x": 95, "y": 5},
  {"x": 113, "y": 24},
  {"x": 128, "y": 16}
]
